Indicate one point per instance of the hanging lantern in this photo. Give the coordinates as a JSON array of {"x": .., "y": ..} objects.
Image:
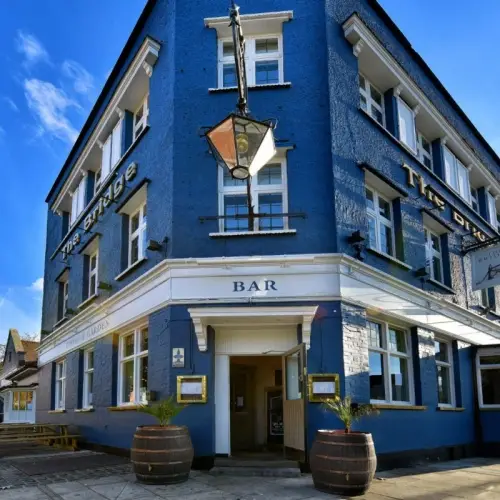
[{"x": 242, "y": 145}]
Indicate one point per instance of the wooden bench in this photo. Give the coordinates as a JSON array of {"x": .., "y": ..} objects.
[{"x": 49, "y": 434}]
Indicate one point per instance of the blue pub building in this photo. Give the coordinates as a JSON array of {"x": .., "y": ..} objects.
[{"x": 156, "y": 284}]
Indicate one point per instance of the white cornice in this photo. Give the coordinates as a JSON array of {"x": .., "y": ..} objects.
[
  {"x": 282, "y": 16},
  {"x": 148, "y": 53},
  {"x": 354, "y": 31}
]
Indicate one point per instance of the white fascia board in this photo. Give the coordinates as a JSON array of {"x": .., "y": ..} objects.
[
  {"x": 354, "y": 31},
  {"x": 323, "y": 277},
  {"x": 148, "y": 53},
  {"x": 265, "y": 22}
]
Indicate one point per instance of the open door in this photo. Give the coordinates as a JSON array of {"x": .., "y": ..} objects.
[{"x": 294, "y": 402}]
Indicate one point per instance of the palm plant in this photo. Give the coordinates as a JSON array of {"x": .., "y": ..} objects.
[
  {"x": 349, "y": 412},
  {"x": 164, "y": 411}
]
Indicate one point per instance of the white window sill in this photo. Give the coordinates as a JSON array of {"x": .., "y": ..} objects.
[
  {"x": 450, "y": 408},
  {"x": 85, "y": 410},
  {"x": 130, "y": 268},
  {"x": 489, "y": 408},
  {"x": 86, "y": 302},
  {"x": 60, "y": 322},
  {"x": 389, "y": 257},
  {"x": 440, "y": 285},
  {"x": 57, "y": 410},
  {"x": 397, "y": 406},
  {"x": 284, "y": 85},
  {"x": 252, "y": 233}
]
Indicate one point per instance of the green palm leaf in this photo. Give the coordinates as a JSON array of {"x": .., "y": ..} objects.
[
  {"x": 164, "y": 411},
  {"x": 347, "y": 411}
]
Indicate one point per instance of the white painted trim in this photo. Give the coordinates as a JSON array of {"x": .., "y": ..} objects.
[
  {"x": 495, "y": 351},
  {"x": 449, "y": 366},
  {"x": 223, "y": 21},
  {"x": 355, "y": 30},
  {"x": 252, "y": 233},
  {"x": 222, "y": 402},
  {"x": 148, "y": 52},
  {"x": 305, "y": 277}
]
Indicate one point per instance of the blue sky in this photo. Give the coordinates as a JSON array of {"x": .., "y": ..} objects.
[{"x": 55, "y": 56}]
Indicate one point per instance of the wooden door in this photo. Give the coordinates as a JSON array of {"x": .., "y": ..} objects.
[
  {"x": 242, "y": 408},
  {"x": 294, "y": 397}
]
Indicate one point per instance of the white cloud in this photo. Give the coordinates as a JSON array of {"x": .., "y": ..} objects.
[
  {"x": 31, "y": 48},
  {"x": 11, "y": 103},
  {"x": 37, "y": 285},
  {"x": 83, "y": 81},
  {"x": 50, "y": 103}
]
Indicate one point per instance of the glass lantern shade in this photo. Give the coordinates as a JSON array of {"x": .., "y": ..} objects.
[{"x": 242, "y": 145}]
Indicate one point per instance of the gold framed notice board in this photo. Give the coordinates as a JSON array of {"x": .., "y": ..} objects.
[
  {"x": 192, "y": 389},
  {"x": 323, "y": 386}
]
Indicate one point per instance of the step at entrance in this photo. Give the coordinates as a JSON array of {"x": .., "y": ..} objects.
[{"x": 251, "y": 467}]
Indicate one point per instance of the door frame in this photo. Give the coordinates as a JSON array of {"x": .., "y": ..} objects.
[{"x": 302, "y": 350}]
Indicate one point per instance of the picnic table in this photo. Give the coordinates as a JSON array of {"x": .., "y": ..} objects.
[{"x": 49, "y": 434}]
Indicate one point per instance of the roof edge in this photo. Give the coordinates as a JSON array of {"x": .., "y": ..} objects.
[{"x": 104, "y": 92}]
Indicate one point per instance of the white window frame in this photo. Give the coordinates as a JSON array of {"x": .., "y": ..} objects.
[
  {"x": 93, "y": 272},
  {"x": 386, "y": 355},
  {"x": 458, "y": 171},
  {"x": 492, "y": 209},
  {"x": 449, "y": 366},
  {"x": 412, "y": 133},
  {"x": 421, "y": 152},
  {"x": 97, "y": 180},
  {"x": 87, "y": 372},
  {"x": 366, "y": 93},
  {"x": 251, "y": 58},
  {"x": 480, "y": 368},
  {"x": 60, "y": 385},
  {"x": 139, "y": 126},
  {"x": 381, "y": 220},
  {"x": 431, "y": 252},
  {"x": 78, "y": 201},
  {"x": 138, "y": 233},
  {"x": 65, "y": 297},
  {"x": 255, "y": 191},
  {"x": 109, "y": 157},
  {"x": 136, "y": 358},
  {"x": 474, "y": 199}
]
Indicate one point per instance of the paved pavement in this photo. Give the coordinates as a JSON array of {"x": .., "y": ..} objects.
[{"x": 474, "y": 478}]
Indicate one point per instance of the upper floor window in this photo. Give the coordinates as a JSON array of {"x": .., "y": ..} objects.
[
  {"x": 133, "y": 367},
  {"x": 434, "y": 254},
  {"x": 407, "y": 131},
  {"x": 141, "y": 118},
  {"x": 445, "y": 382},
  {"x": 492, "y": 209},
  {"x": 390, "y": 364},
  {"x": 269, "y": 197},
  {"x": 78, "y": 201},
  {"x": 456, "y": 175},
  {"x": 111, "y": 150},
  {"x": 424, "y": 150},
  {"x": 93, "y": 274},
  {"x": 88, "y": 378},
  {"x": 380, "y": 222},
  {"x": 474, "y": 199},
  {"x": 263, "y": 58},
  {"x": 488, "y": 365},
  {"x": 371, "y": 100},
  {"x": 60, "y": 385},
  {"x": 65, "y": 298},
  {"x": 137, "y": 235}
]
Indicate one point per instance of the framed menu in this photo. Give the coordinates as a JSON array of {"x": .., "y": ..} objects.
[
  {"x": 322, "y": 386},
  {"x": 192, "y": 389}
]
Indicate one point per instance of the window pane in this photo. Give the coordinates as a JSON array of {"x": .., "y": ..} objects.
[
  {"x": 270, "y": 204},
  {"x": 293, "y": 389},
  {"x": 399, "y": 379},
  {"x": 128, "y": 345},
  {"x": 144, "y": 339},
  {"x": 90, "y": 388},
  {"x": 490, "y": 383},
  {"x": 377, "y": 114},
  {"x": 372, "y": 232},
  {"x": 15, "y": 401},
  {"x": 406, "y": 125},
  {"x": 427, "y": 162},
  {"x": 93, "y": 262},
  {"x": 370, "y": 203},
  {"x": 93, "y": 284},
  {"x": 364, "y": 104},
  {"x": 441, "y": 351},
  {"x": 90, "y": 360},
  {"x": 386, "y": 239},
  {"x": 29, "y": 401},
  {"x": 266, "y": 72},
  {"x": 377, "y": 389},
  {"x": 22, "y": 401},
  {"x": 376, "y": 95},
  {"x": 397, "y": 340},
  {"x": 374, "y": 334},
  {"x": 235, "y": 206},
  {"x": 269, "y": 175},
  {"x": 143, "y": 379},
  {"x": 444, "y": 388},
  {"x": 267, "y": 45},
  {"x": 134, "y": 250},
  {"x": 489, "y": 360},
  {"x": 229, "y": 75},
  {"x": 229, "y": 180},
  {"x": 384, "y": 208},
  {"x": 436, "y": 269},
  {"x": 128, "y": 381},
  {"x": 362, "y": 82},
  {"x": 134, "y": 223},
  {"x": 227, "y": 49}
]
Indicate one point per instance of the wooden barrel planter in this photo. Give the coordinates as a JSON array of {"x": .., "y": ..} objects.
[
  {"x": 162, "y": 455},
  {"x": 343, "y": 464}
]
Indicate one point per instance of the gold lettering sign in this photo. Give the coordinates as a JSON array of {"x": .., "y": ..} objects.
[
  {"x": 111, "y": 194},
  {"x": 415, "y": 179}
]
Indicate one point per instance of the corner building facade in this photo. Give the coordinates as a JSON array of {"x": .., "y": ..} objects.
[{"x": 357, "y": 285}]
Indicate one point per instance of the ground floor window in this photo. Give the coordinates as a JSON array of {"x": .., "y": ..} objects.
[
  {"x": 133, "y": 373},
  {"x": 489, "y": 378},
  {"x": 60, "y": 385},
  {"x": 22, "y": 400},
  {"x": 444, "y": 364},
  {"x": 390, "y": 364},
  {"x": 88, "y": 378}
]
